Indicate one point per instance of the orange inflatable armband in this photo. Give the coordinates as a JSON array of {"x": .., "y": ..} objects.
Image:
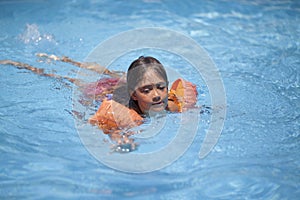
[
  {"x": 183, "y": 94},
  {"x": 112, "y": 115}
]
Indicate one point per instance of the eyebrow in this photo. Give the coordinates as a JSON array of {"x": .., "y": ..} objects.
[{"x": 151, "y": 85}]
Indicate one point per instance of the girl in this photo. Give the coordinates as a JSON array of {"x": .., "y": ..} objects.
[
  {"x": 147, "y": 92},
  {"x": 126, "y": 101}
]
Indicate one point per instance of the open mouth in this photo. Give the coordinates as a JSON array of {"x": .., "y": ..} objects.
[
  {"x": 158, "y": 106},
  {"x": 158, "y": 103}
]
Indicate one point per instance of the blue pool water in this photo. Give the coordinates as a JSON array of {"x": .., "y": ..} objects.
[{"x": 255, "y": 46}]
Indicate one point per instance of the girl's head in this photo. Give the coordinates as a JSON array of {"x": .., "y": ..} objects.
[{"x": 147, "y": 84}]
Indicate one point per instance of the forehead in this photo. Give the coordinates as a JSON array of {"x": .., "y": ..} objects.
[{"x": 149, "y": 78}]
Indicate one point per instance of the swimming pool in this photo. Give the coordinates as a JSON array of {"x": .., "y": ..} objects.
[{"x": 255, "y": 46}]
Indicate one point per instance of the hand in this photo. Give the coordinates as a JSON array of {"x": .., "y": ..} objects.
[{"x": 124, "y": 143}]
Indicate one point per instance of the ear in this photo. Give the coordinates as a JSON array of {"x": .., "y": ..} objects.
[{"x": 133, "y": 96}]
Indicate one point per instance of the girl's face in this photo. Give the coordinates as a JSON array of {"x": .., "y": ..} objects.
[{"x": 151, "y": 93}]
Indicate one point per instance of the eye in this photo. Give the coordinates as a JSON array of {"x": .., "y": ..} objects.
[
  {"x": 161, "y": 86},
  {"x": 146, "y": 89}
]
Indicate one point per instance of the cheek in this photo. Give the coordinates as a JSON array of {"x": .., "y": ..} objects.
[
  {"x": 140, "y": 97},
  {"x": 144, "y": 103},
  {"x": 165, "y": 93},
  {"x": 145, "y": 99}
]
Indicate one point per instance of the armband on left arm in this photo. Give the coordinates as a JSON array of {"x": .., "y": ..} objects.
[{"x": 182, "y": 95}]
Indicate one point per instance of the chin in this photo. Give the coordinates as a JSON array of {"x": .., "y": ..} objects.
[
  {"x": 157, "y": 108},
  {"x": 156, "y": 111}
]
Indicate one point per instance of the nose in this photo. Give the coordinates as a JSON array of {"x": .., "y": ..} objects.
[
  {"x": 156, "y": 95},
  {"x": 156, "y": 99}
]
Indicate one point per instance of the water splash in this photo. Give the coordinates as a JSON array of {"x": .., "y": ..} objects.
[{"x": 32, "y": 34}]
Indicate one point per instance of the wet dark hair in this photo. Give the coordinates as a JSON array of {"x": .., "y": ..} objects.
[
  {"x": 139, "y": 67},
  {"x": 136, "y": 72}
]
